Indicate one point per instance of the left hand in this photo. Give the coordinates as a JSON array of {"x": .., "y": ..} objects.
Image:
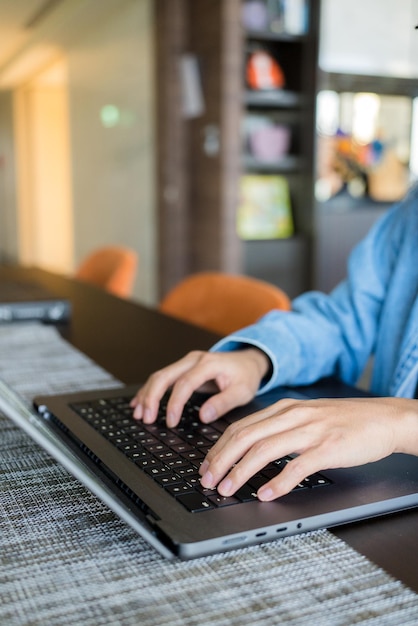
[{"x": 324, "y": 433}]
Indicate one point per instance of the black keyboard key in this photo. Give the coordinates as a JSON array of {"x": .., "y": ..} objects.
[
  {"x": 220, "y": 501},
  {"x": 205, "y": 491},
  {"x": 270, "y": 472},
  {"x": 166, "y": 455},
  {"x": 113, "y": 434},
  {"x": 182, "y": 447},
  {"x": 135, "y": 455},
  {"x": 185, "y": 470},
  {"x": 195, "y": 502},
  {"x": 129, "y": 447},
  {"x": 156, "y": 448},
  {"x": 168, "y": 479},
  {"x": 209, "y": 432},
  {"x": 158, "y": 470},
  {"x": 126, "y": 422},
  {"x": 179, "y": 489},
  {"x": 81, "y": 408},
  {"x": 193, "y": 480},
  {"x": 246, "y": 494},
  {"x": 257, "y": 481},
  {"x": 300, "y": 486},
  {"x": 177, "y": 463},
  {"x": 317, "y": 480},
  {"x": 193, "y": 455},
  {"x": 169, "y": 438},
  {"x": 220, "y": 426},
  {"x": 145, "y": 439},
  {"x": 145, "y": 461},
  {"x": 122, "y": 439}
]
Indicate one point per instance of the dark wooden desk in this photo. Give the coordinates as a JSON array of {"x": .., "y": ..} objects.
[{"x": 131, "y": 341}]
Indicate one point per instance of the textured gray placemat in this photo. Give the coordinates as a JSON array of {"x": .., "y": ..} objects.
[{"x": 66, "y": 559}]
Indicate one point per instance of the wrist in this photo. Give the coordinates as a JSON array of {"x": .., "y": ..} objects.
[
  {"x": 407, "y": 429},
  {"x": 262, "y": 361}
]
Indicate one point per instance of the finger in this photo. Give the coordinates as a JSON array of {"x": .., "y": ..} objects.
[
  {"x": 293, "y": 474},
  {"x": 147, "y": 399},
  {"x": 241, "y": 435},
  {"x": 209, "y": 368},
  {"x": 145, "y": 407},
  {"x": 236, "y": 377},
  {"x": 249, "y": 445},
  {"x": 181, "y": 392},
  {"x": 246, "y": 452},
  {"x": 220, "y": 403}
]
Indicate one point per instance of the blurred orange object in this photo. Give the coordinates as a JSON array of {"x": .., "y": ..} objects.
[
  {"x": 264, "y": 72},
  {"x": 222, "y": 303},
  {"x": 112, "y": 268}
]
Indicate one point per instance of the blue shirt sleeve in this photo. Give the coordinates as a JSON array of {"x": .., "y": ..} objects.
[{"x": 329, "y": 334}]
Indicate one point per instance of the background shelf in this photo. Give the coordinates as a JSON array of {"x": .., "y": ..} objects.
[{"x": 273, "y": 98}]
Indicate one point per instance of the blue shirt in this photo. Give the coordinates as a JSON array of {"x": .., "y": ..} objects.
[{"x": 374, "y": 312}]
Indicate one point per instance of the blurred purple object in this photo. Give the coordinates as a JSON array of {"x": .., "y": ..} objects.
[
  {"x": 254, "y": 15},
  {"x": 270, "y": 142}
]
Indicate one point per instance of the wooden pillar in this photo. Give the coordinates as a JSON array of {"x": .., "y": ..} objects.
[
  {"x": 171, "y": 32},
  {"x": 198, "y": 158}
]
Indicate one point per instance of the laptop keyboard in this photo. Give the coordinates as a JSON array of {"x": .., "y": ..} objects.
[{"x": 172, "y": 456}]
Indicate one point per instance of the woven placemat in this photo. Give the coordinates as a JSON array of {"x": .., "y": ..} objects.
[{"x": 66, "y": 559}]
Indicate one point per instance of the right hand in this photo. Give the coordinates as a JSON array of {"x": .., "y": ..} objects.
[{"x": 236, "y": 377}]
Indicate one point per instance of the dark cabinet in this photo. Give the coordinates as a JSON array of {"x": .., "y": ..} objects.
[{"x": 286, "y": 261}]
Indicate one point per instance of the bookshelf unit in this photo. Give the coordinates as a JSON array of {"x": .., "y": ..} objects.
[
  {"x": 286, "y": 262},
  {"x": 197, "y": 187}
]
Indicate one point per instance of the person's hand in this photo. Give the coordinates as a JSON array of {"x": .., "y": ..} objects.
[
  {"x": 236, "y": 377},
  {"x": 325, "y": 434}
]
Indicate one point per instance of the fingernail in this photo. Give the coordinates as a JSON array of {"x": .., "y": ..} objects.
[
  {"x": 147, "y": 416},
  {"x": 208, "y": 413},
  {"x": 265, "y": 494},
  {"x": 207, "y": 480},
  {"x": 170, "y": 419},
  {"x": 138, "y": 412},
  {"x": 226, "y": 487}
]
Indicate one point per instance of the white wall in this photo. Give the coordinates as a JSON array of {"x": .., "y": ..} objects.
[
  {"x": 375, "y": 37},
  {"x": 108, "y": 48},
  {"x": 113, "y": 164}
]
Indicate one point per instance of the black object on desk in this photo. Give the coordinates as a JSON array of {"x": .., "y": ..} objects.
[{"x": 26, "y": 301}]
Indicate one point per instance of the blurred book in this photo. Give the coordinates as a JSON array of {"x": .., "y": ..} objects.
[
  {"x": 264, "y": 210},
  {"x": 255, "y": 15},
  {"x": 23, "y": 302},
  {"x": 288, "y": 16},
  {"x": 279, "y": 16}
]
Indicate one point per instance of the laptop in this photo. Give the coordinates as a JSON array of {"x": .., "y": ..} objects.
[{"x": 148, "y": 475}]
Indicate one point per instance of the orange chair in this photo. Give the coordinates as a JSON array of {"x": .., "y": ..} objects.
[
  {"x": 222, "y": 303},
  {"x": 112, "y": 268}
]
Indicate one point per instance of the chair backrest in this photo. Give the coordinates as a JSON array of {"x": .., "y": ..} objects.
[
  {"x": 112, "y": 268},
  {"x": 222, "y": 303}
]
